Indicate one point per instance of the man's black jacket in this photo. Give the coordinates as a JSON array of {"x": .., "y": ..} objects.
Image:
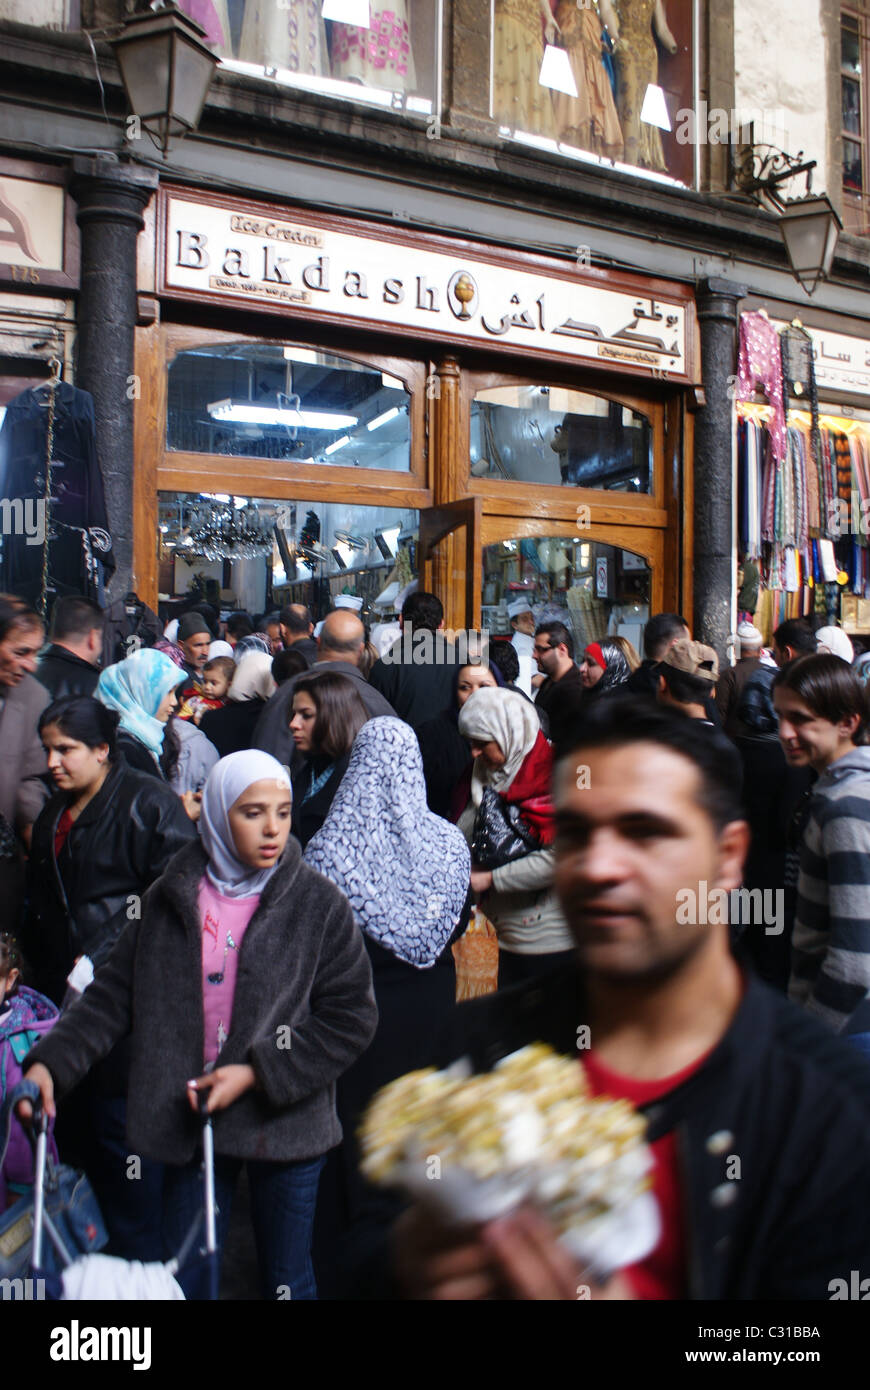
[
  {"x": 782, "y": 1096},
  {"x": 63, "y": 673}
]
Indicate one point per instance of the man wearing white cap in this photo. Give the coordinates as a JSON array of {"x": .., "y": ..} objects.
[
  {"x": 731, "y": 681},
  {"x": 835, "y": 641},
  {"x": 523, "y": 642}
]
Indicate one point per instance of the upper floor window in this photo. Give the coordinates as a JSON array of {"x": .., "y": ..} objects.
[
  {"x": 613, "y": 79},
  {"x": 383, "y": 52},
  {"x": 853, "y": 68}
]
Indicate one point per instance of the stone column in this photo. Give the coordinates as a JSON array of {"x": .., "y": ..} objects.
[
  {"x": 714, "y": 539},
  {"x": 111, "y": 198}
]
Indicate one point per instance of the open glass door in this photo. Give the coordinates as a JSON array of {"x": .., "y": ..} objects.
[{"x": 449, "y": 559}]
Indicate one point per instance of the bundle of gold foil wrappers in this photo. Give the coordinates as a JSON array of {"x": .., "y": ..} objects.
[{"x": 478, "y": 1145}]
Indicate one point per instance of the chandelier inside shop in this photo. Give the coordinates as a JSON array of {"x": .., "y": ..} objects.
[{"x": 212, "y": 530}]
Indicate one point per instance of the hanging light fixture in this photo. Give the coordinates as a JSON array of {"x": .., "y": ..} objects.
[
  {"x": 810, "y": 228},
  {"x": 166, "y": 70}
]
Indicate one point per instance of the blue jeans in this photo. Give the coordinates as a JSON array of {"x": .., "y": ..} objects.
[{"x": 283, "y": 1199}]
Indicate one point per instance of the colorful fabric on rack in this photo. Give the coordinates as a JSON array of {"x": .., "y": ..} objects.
[
  {"x": 843, "y": 456},
  {"x": 760, "y": 364}
]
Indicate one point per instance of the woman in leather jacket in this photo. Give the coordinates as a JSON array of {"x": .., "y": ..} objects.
[
  {"x": 105, "y": 835},
  {"x": 100, "y": 841}
]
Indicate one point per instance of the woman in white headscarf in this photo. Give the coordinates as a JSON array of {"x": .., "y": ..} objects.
[
  {"x": 512, "y": 756},
  {"x": 405, "y": 873},
  {"x": 231, "y": 729},
  {"x": 248, "y": 974}
]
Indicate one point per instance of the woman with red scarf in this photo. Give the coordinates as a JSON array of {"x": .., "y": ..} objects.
[
  {"x": 512, "y": 756},
  {"x": 603, "y": 667}
]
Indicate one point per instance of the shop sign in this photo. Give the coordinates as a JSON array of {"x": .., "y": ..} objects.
[
  {"x": 39, "y": 242},
  {"x": 842, "y": 363},
  {"x": 320, "y": 270}
]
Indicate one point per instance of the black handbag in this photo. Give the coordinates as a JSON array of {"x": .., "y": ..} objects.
[{"x": 500, "y": 833}]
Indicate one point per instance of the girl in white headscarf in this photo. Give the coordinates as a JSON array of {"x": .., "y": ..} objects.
[{"x": 249, "y": 988}]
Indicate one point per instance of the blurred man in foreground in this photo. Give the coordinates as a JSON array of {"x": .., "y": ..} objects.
[{"x": 759, "y": 1119}]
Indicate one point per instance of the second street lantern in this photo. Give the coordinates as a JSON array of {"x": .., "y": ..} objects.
[{"x": 166, "y": 70}]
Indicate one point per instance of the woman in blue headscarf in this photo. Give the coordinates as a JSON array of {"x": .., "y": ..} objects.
[{"x": 142, "y": 690}]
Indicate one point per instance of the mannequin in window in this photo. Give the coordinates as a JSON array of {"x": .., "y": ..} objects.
[
  {"x": 631, "y": 27},
  {"x": 588, "y": 120},
  {"x": 291, "y": 35},
  {"x": 380, "y": 56},
  {"x": 519, "y": 100}
]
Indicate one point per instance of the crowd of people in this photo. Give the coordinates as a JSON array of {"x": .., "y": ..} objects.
[{"x": 239, "y": 865}]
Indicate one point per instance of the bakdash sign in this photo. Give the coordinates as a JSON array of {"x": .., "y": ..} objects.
[{"x": 316, "y": 269}]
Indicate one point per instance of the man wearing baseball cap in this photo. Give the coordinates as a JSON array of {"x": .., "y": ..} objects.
[{"x": 687, "y": 676}]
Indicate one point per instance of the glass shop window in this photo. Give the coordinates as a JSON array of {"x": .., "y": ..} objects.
[
  {"x": 257, "y": 554},
  {"x": 545, "y": 434},
  {"x": 593, "y": 588},
  {"x": 608, "y": 79},
  {"x": 268, "y": 401},
  {"x": 382, "y": 52}
]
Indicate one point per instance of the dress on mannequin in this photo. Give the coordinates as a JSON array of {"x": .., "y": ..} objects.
[
  {"x": 290, "y": 36},
  {"x": 518, "y": 97},
  {"x": 638, "y": 68},
  {"x": 588, "y": 120},
  {"x": 380, "y": 56}
]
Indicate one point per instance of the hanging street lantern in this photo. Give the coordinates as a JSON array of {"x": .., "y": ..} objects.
[
  {"x": 810, "y": 228},
  {"x": 166, "y": 70}
]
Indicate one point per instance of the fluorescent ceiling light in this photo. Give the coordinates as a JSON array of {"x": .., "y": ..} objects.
[
  {"x": 339, "y": 444},
  {"x": 383, "y": 419},
  {"x": 354, "y": 12},
  {"x": 245, "y": 413},
  {"x": 655, "y": 109},
  {"x": 295, "y": 354},
  {"x": 391, "y": 535}
]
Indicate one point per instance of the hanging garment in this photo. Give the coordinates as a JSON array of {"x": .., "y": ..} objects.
[
  {"x": 588, "y": 120},
  {"x": 760, "y": 364},
  {"x": 380, "y": 56},
  {"x": 291, "y": 35},
  {"x": 77, "y": 529},
  {"x": 843, "y": 456},
  {"x": 519, "y": 100},
  {"x": 799, "y": 374}
]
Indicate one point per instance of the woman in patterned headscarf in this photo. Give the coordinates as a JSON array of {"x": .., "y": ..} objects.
[{"x": 405, "y": 873}]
